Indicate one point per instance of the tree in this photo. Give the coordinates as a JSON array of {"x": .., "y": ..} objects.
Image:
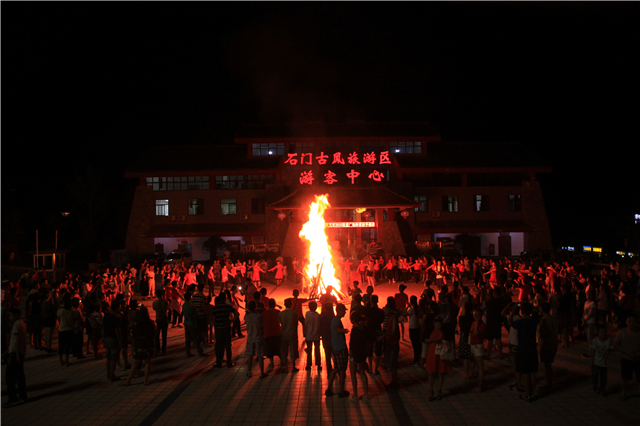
[{"x": 215, "y": 245}]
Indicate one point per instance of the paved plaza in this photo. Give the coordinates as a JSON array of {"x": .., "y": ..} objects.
[{"x": 190, "y": 391}]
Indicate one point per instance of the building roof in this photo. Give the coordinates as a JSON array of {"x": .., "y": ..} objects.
[
  {"x": 200, "y": 158},
  {"x": 204, "y": 229},
  {"x": 337, "y": 130},
  {"x": 473, "y": 155},
  {"x": 345, "y": 198}
]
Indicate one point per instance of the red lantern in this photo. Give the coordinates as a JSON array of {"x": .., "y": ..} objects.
[
  {"x": 282, "y": 215},
  {"x": 404, "y": 213},
  {"x": 366, "y": 214}
]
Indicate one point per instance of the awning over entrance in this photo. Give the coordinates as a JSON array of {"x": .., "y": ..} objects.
[
  {"x": 205, "y": 229},
  {"x": 346, "y": 198}
]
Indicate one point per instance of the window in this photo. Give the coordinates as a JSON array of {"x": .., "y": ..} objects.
[
  {"x": 180, "y": 183},
  {"x": 422, "y": 199},
  {"x": 342, "y": 215},
  {"x": 162, "y": 207},
  {"x": 196, "y": 206},
  {"x": 481, "y": 203},
  {"x": 260, "y": 149},
  {"x": 369, "y": 235},
  {"x": 243, "y": 182},
  {"x": 376, "y": 147},
  {"x": 302, "y": 147},
  {"x": 228, "y": 206},
  {"x": 514, "y": 203},
  {"x": 406, "y": 147},
  {"x": 257, "y": 206},
  {"x": 449, "y": 203}
]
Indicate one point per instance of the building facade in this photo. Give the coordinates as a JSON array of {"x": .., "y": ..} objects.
[{"x": 394, "y": 187}]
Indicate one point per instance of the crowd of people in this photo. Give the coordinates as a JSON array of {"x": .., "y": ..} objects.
[{"x": 450, "y": 324}]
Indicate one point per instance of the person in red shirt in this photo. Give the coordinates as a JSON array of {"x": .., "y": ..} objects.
[{"x": 476, "y": 341}]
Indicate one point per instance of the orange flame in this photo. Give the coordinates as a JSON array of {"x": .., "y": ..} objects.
[{"x": 319, "y": 249}]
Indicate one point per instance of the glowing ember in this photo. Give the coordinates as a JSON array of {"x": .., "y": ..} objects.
[{"x": 319, "y": 249}]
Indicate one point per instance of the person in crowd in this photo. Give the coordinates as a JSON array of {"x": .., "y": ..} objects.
[
  {"x": 222, "y": 313},
  {"x": 279, "y": 268},
  {"x": 527, "y": 353},
  {"x": 112, "y": 338},
  {"x": 65, "y": 331},
  {"x": 362, "y": 338},
  {"x": 402, "y": 300},
  {"x": 392, "y": 342},
  {"x": 326, "y": 318},
  {"x": 271, "y": 332},
  {"x": 289, "y": 335},
  {"x": 548, "y": 331},
  {"x": 627, "y": 342},
  {"x": 143, "y": 335},
  {"x": 415, "y": 316},
  {"x": 340, "y": 353},
  {"x": 477, "y": 335},
  {"x": 161, "y": 308},
  {"x": 191, "y": 331},
  {"x": 435, "y": 365},
  {"x": 255, "y": 339},
  {"x": 600, "y": 347},
  {"x": 14, "y": 374},
  {"x": 311, "y": 331}
]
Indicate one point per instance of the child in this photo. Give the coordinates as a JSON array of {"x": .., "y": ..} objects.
[{"x": 599, "y": 348}]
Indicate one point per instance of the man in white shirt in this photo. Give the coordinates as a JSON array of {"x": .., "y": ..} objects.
[
  {"x": 14, "y": 375},
  {"x": 312, "y": 335}
]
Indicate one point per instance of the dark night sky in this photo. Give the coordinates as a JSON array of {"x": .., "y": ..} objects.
[{"x": 96, "y": 84}]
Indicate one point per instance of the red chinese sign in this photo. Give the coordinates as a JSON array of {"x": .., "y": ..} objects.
[
  {"x": 352, "y": 158},
  {"x": 330, "y": 177}
]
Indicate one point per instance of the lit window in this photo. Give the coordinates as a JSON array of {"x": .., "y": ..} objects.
[
  {"x": 514, "y": 203},
  {"x": 228, "y": 206},
  {"x": 406, "y": 147},
  {"x": 196, "y": 206},
  {"x": 450, "y": 203},
  {"x": 422, "y": 199},
  {"x": 162, "y": 207},
  {"x": 481, "y": 203},
  {"x": 260, "y": 149}
]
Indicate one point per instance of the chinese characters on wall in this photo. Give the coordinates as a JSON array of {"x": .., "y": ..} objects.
[{"x": 307, "y": 178}]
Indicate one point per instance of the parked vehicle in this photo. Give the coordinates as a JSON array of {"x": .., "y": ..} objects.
[{"x": 179, "y": 256}]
